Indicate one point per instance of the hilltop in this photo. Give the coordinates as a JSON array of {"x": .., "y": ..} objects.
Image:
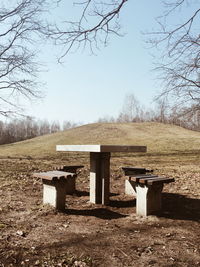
[{"x": 157, "y": 137}]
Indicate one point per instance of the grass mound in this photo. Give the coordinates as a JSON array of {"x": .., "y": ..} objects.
[{"x": 158, "y": 137}]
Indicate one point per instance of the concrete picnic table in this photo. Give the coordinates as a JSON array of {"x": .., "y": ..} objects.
[{"x": 100, "y": 166}]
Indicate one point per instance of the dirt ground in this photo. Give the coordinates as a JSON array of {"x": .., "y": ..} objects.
[{"x": 94, "y": 235}]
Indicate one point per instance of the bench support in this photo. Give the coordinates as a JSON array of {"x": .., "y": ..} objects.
[
  {"x": 70, "y": 185},
  {"x": 54, "y": 193},
  {"x": 130, "y": 187},
  {"x": 148, "y": 199},
  {"x": 99, "y": 177}
]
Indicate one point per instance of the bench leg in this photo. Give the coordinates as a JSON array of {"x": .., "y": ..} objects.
[
  {"x": 70, "y": 185},
  {"x": 130, "y": 188},
  {"x": 148, "y": 199},
  {"x": 54, "y": 194}
]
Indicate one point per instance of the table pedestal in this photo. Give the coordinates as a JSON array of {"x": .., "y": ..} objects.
[{"x": 99, "y": 177}]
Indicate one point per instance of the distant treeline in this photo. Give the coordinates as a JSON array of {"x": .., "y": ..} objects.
[
  {"x": 19, "y": 130},
  {"x": 132, "y": 111}
]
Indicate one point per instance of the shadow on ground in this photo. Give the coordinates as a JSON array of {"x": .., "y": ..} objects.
[
  {"x": 180, "y": 207},
  {"x": 86, "y": 193},
  {"x": 174, "y": 206},
  {"x": 81, "y": 193},
  {"x": 101, "y": 213},
  {"x": 123, "y": 203}
]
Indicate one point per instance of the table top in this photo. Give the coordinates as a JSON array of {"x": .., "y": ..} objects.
[{"x": 101, "y": 148}]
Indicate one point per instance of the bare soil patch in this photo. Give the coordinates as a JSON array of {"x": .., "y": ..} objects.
[{"x": 94, "y": 235}]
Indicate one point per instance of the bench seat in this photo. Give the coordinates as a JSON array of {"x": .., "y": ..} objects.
[
  {"x": 150, "y": 179},
  {"x": 53, "y": 175},
  {"x": 147, "y": 189},
  {"x": 69, "y": 168},
  {"x": 135, "y": 170}
]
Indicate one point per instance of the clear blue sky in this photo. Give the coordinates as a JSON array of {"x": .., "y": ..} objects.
[{"x": 87, "y": 87}]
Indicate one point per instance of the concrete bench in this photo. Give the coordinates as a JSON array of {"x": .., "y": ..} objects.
[
  {"x": 129, "y": 184},
  {"x": 147, "y": 189},
  {"x": 56, "y": 184}
]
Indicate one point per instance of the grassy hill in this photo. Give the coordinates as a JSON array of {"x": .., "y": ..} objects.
[{"x": 156, "y": 136}]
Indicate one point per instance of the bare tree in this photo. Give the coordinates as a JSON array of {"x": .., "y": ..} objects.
[
  {"x": 69, "y": 124},
  {"x": 98, "y": 20},
  {"x": 44, "y": 127},
  {"x": 21, "y": 22},
  {"x": 162, "y": 111},
  {"x": 180, "y": 63},
  {"x": 20, "y": 26},
  {"x": 106, "y": 119},
  {"x": 131, "y": 110},
  {"x": 55, "y": 127}
]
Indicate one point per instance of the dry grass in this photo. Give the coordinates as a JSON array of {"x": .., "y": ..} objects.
[
  {"x": 159, "y": 138},
  {"x": 94, "y": 235}
]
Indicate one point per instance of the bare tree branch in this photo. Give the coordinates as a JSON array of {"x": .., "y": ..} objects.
[
  {"x": 20, "y": 26},
  {"x": 179, "y": 66},
  {"x": 97, "y": 22}
]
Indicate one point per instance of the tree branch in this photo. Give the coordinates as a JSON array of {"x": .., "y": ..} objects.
[{"x": 85, "y": 33}]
